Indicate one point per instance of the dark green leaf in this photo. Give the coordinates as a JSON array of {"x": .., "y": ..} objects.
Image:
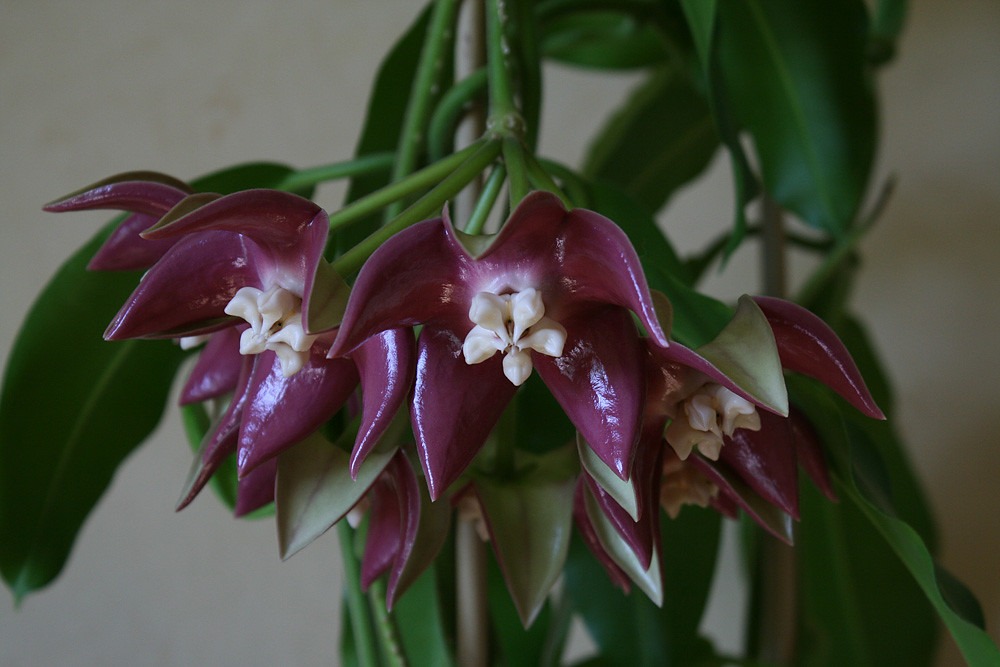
[
  {"x": 795, "y": 76},
  {"x": 541, "y": 425},
  {"x": 73, "y": 407},
  {"x": 887, "y": 23},
  {"x": 629, "y": 629},
  {"x": 661, "y": 138},
  {"x": 603, "y": 40}
]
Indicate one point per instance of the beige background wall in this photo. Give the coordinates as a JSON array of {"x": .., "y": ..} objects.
[{"x": 89, "y": 89}]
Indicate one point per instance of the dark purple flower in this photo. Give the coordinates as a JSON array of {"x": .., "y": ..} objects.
[{"x": 552, "y": 292}]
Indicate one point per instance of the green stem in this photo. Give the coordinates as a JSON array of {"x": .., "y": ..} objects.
[
  {"x": 449, "y": 111},
  {"x": 572, "y": 183},
  {"x": 388, "y": 635},
  {"x": 430, "y": 203},
  {"x": 498, "y": 63},
  {"x": 486, "y": 201},
  {"x": 440, "y": 38},
  {"x": 361, "y": 623},
  {"x": 517, "y": 169},
  {"x": 542, "y": 180},
  {"x": 305, "y": 178},
  {"x": 426, "y": 177}
]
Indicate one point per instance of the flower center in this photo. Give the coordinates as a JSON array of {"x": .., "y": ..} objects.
[
  {"x": 512, "y": 324},
  {"x": 681, "y": 484},
  {"x": 275, "y": 319},
  {"x": 710, "y": 413}
]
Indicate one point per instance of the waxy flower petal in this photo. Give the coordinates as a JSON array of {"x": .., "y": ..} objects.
[
  {"x": 217, "y": 369},
  {"x": 548, "y": 271}
]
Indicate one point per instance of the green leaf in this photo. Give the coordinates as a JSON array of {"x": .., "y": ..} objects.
[
  {"x": 529, "y": 518},
  {"x": 541, "y": 425},
  {"x": 628, "y": 628},
  {"x": 795, "y": 76},
  {"x": 660, "y": 139},
  {"x": 516, "y": 644},
  {"x": 419, "y": 620},
  {"x": 700, "y": 15},
  {"x": 864, "y": 483},
  {"x": 887, "y": 24},
  {"x": 72, "y": 408},
  {"x": 603, "y": 40},
  {"x": 314, "y": 489}
]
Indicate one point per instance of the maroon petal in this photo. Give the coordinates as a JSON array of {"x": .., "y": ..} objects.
[
  {"x": 385, "y": 528},
  {"x": 186, "y": 292},
  {"x": 600, "y": 382},
  {"x": 589, "y": 535},
  {"x": 410, "y": 510},
  {"x": 217, "y": 369},
  {"x": 454, "y": 406},
  {"x": 416, "y": 276},
  {"x": 766, "y": 461},
  {"x": 125, "y": 250},
  {"x": 135, "y": 194},
  {"x": 385, "y": 364},
  {"x": 809, "y": 346},
  {"x": 256, "y": 489},
  {"x": 579, "y": 255},
  {"x": 291, "y": 229},
  {"x": 281, "y": 411},
  {"x": 221, "y": 440}
]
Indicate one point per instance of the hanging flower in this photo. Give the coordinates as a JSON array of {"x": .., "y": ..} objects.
[
  {"x": 243, "y": 267},
  {"x": 146, "y": 196},
  {"x": 552, "y": 293}
]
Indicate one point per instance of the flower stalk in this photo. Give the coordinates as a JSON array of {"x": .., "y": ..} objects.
[
  {"x": 366, "y": 164},
  {"x": 357, "y": 606}
]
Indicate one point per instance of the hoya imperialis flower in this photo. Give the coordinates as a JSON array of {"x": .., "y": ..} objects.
[
  {"x": 246, "y": 264},
  {"x": 147, "y": 196},
  {"x": 552, "y": 293}
]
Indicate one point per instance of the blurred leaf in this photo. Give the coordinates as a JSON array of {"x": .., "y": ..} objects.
[
  {"x": 419, "y": 620},
  {"x": 603, "y": 40},
  {"x": 628, "y": 628},
  {"x": 795, "y": 75},
  {"x": 541, "y": 425},
  {"x": 387, "y": 105},
  {"x": 865, "y": 484},
  {"x": 887, "y": 24},
  {"x": 73, "y": 407},
  {"x": 660, "y": 139}
]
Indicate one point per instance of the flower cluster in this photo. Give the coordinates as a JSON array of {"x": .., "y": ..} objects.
[{"x": 557, "y": 291}]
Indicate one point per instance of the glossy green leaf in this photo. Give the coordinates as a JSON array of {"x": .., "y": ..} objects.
[
  {"x": 421, "y": 625},
  {"x": 746, "y": 352},
  {"x": 314, "y": 489},
  {"x": 864, "y": 482},
  {"x": 529, "y": 518},
  {"x": 630, "y": 630},
  {"x": 71, "y": 410},
  {"x": 795, "y": 76},
  {"x": 603, "y": 40},
  {"x": 662, "y": 137}
]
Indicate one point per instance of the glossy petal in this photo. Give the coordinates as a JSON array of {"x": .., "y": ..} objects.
[
  {"x": 809, "y": 346},
  {"x": 416, "y": 276},
  {"x": 386, "y": 366},
  {"x": 137, "y": 192},
  {"x": 600, "y": 382},
  {"x": 256, "y": 489},
  {"x": 635, "y": 533},
  {"x": 280, "y": 411},
  {"x": 125, "y": 250},
  {"x": 766, "y": 461},
  {"x": 385, "y": 528},
  {"x": 574, "y": 257},
  {"x": 220, "y": 441},
  {"x": 217, "y": 369},
  {"x": 290, "y": 229},
  {"x": 186, "y": 292},
  {"x": 809, "y": 452},
  {"x": 454, "y": 406}
]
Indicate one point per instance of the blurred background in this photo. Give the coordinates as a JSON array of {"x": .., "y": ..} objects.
[{"x": 90, "y": 89}]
